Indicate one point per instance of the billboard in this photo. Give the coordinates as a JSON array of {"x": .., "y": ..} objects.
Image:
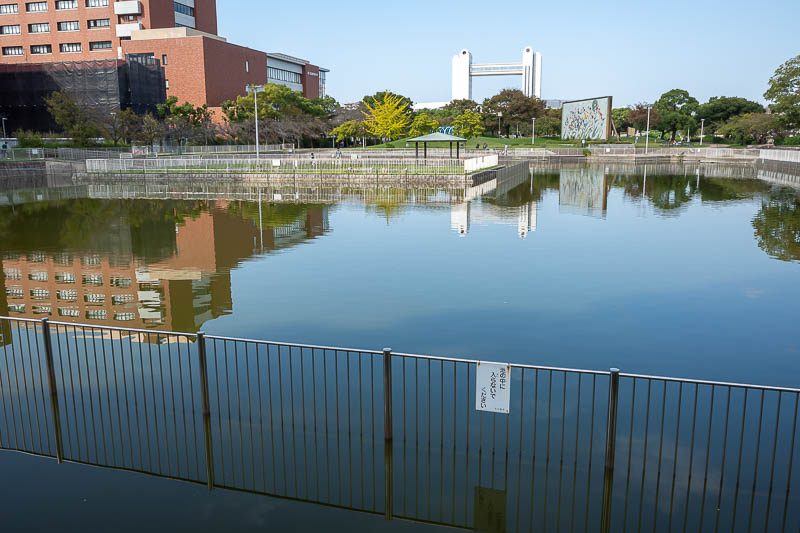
[{"x": 586, "y": 119}]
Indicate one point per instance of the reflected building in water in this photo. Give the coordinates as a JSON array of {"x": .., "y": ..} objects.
[{"x": 177, "y": 285}]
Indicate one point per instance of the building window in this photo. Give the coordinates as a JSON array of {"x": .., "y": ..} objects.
[
  {"x": 96, "y": 3},
  {"x": 70, "y": 48},
  {"x": 100, "y": 45},
  {"x": 164, "y": 59},
  {"x": 166, "y": 83},
  {"x": 278, "y": 74},
  {"x": 36, "y": 7},
  {"x": 96, "y": 314},
  {"x": 66, "y": 4},
  {"x": 99, "y": 23},
  {"x": 40, "y": 49},
  {"x": 70, "y": 25},
  {"x": 12, "y": 29},
  {"x": 37, "y": 276},
  {"x": 43, "y": 27},
  {"x": 246, "y": 65},
  {"x": 8, "y": 9},
  {"x": 13, "y": 51},
  {"x": 183, "y": 9}
]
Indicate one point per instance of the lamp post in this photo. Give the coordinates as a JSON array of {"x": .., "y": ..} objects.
[
  {"x": 4, "y": 128},
  {"x": 647, "y": 135},
  {"x": 499, "y": 116},
  {"x": 702, "y": 130},
  {"x": 533, "y": 131},
  {"x": 256, "y": 89}
]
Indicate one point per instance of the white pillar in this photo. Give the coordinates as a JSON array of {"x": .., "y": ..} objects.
[{"x": 462, "y": 77}]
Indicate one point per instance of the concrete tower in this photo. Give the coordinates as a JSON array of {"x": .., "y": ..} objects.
[
  {"x": 530, "y": 69},
  {"x": 462, "y": 76}
]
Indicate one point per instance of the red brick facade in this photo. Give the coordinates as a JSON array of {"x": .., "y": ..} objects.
[
  {"x": 311, "y": 81},
  {"x": 203, "y": 70},
  {"x": 154, "y": 14}
]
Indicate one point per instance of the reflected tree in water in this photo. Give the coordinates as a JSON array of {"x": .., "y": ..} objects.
[{"x": 777, "y": 225}]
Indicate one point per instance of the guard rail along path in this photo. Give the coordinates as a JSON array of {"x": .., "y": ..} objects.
[{"x": 404, "y": 435}]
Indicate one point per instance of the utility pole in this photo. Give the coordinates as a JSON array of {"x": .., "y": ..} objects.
[
  {"x": 256, "y": 89},
  {"x": 647, "y": 135},
  {"x": 702, "y": 130},
  {"x": 533, "y": 131}
]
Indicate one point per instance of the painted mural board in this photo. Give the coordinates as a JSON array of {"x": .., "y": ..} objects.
[{"x": 588, "y": 119}]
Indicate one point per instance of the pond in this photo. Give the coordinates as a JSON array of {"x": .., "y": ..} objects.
[{"x": 673, "y": 270}]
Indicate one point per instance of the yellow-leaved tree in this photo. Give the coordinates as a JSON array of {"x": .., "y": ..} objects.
[{"x": 388, "y": 118}]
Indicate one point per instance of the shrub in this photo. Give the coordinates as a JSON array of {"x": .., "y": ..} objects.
[{"x": 28, "y": 139}]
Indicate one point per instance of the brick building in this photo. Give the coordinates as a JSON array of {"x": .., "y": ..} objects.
[{"x": 199, "y": 66}]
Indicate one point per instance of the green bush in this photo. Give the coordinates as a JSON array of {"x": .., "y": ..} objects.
[
  {"x": 788, "y": 141},
  {"x": 587, "y": 153},
  {"x": 28, "y": 139}
]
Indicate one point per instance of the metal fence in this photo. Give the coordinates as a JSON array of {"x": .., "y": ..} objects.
[
  {"x": 326, "y": 166},
  {"x": 396, "y": 434},
  {"x": 784, "y": 156}
]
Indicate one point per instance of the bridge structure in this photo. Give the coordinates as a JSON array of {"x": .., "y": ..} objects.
[{"x": 530, "y": 69}]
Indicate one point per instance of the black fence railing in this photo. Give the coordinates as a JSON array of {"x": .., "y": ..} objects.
[{"x": 398, "y": 435}]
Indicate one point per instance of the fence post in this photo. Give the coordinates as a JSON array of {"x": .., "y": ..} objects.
[
  {"x": 51, "y": 380},
  {"x": 387, "y": 393},
  {"x": 611, "y": 440},
  {"x": 201, "y": 352}
]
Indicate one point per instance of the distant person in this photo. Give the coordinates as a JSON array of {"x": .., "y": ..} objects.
[
  {"x": 477, "y": 146},
  {"x": 505, "y": 151},
  {"x": 4, "y": 149},
  {"x": 485, "y": 146}
]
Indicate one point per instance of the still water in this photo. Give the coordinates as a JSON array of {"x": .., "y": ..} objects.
[{"x": 668, "y": 270}]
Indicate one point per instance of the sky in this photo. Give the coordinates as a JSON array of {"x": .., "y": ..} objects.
[{"x": 634, "y": 51}]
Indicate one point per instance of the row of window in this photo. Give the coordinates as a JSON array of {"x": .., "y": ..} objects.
[
  {"x": 72, "y": 312},
  {"x": 44, "y": 27},
  {"x": 65, "y": 48},
  {"x": 184, "y": 9},
  {"x": 278, "y": 74},
  {"x": 41, "y": 7}
]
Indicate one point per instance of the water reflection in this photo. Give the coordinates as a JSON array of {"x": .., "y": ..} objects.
[{"x": 143, "y": 264}]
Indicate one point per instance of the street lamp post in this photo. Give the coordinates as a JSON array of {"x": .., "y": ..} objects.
[
  {"x": 499, "y": 116},
  {"x": 702, "y": 130},
  {"x": 647, "y": 135},
  {"x": 256, "y": 89},
  {"x": 4, "y": 128},
  {"x": 533, "y": 131}
]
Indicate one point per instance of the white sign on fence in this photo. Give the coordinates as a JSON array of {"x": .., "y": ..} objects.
[{"x": 493, "y": 387}]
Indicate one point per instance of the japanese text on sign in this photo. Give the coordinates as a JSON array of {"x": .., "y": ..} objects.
[{"x": 493, "y": 387}]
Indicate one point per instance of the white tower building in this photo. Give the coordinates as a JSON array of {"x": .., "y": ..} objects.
[{"x": 530, "y": 69}]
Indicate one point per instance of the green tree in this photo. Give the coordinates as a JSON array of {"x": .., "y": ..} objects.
[
  {"x": 517, "y": 110},
  {"x": 118, "y": 126},
  {"x": 676, "y": 109},
  {"x": 458, "y": 107},
  {"x": 469, "y": 124},
  {"x": 750, "y": 128},
  {"x": 422, "y": 124},
  {"x": 71, "y": 117},
  {"x": 150, "y": 131},
  {"x": 784, "y": 92},
  {"x": 388, "y": 118},
  {"x": 352, "y": 129},
  {"x": 620, "y": 117},
  {"x": 720, "y": 109},
  {"x": 550, "y": 123}
]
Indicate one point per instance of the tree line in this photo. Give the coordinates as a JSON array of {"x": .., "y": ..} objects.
[{"x": 286, "y": 116}]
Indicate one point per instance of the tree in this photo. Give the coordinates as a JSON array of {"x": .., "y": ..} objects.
[
  {"x": 388, "y": 118},
  {"x": 380, "y": 97},
  {"x": 118, "y": 126},
  {"x": 459, "y": 106},
  {"x": 720, "y": 109},
  {"x": 784, "y": 92},
  {"x": 423, "y": 124},
  {"x": 150, "y": 131},
  {"x": 676, "y": 109},
  {"x": 637, "y": 116},
  {"x": 620, "y": 118},
  {"x": 517, "y": 109},
  {"x": 352, "y": 129},
  {"x": 550, "y": 123},
  {"x": 71, "y": 117},
  {"x": 753, "y": 127},
  {"x": 469, "y": 124}
]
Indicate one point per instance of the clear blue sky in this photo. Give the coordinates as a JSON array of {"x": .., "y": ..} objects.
[{"x": 632, "y": 50}]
